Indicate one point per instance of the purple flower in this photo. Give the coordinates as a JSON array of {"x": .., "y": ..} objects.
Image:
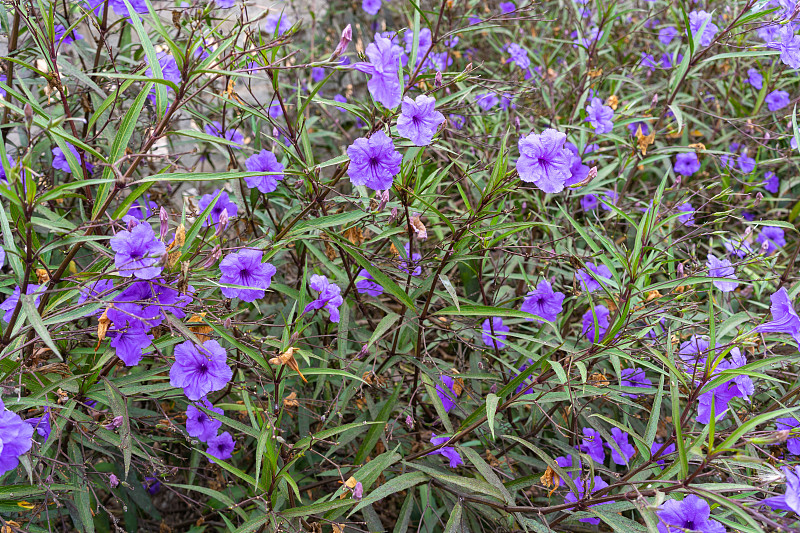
[
  {"x": 696, "y": 21},
  {"x": 368, "y": 285},
  {"x": 634, "y": 377},
  {"x": 666, "y": 35},
  {"x": 223, "y": 204},
  {"x": 789, "y": 45},
  {"x": 200, "y": 370},
  {"x": 738, "y": 387},
  {"x": 790, "y": 500},
  {"x": 221, "y": 447},
  {"x": 667, "y": 61},
  {"x": 722, "y": 268},
  {"x": 419, "y": 120},
  {"x": 264, "y": 161},
  {"x": 690, "y": 514},
  {"x": 621, "y": 439},
  {"x": 657, "y": 446},
  {"x": 589, "y": 202},
  {"x": 244, "y": 268},
  {"x": 599, "y": 116},
  {"x": 746, "y": 164},
  {"x": 16, "y": 438},
  {"x": 457, "y": 121},
  {"x": 578, "y": 171},
  {"x": 793, "y": 426},
  {"x": 138, "y": 253},
  {"x": 384, "y": 63},
  {"x": 738, "y": 248},
  {"x": 142, "y": 210},
  {"x": 772, "y": 183},
  {"x": 544, "y": 161},
  {"x": 487, "y": 101},
  {"x": 151, "y": 485},
  {"x": 68, "y": 38},
  {"x": 634, "y": 126},
  {"x": 317, "y": 74},
  {"x": 784, "y": 317},
  {"x": 600, "y": 314},
  {"x": 499, "y": 333},
  {"x": 592, "y": 445},
  {"x": 423, "y": 44},
  {"x": 650, "y": 62},
  {"x": 60, "y": 161},
  {"x": 567, "y": 462},
  {"x": 777, "y": 100},
  {"x": 11, "y": 302},
  {"x": 201, "y": 425},
  {"x": 225, "y": 4},
  {"x": 448, "y": 451},
  {"x": 215, "y": 129},
  {"x": 277, "y": 22},
  {"x": 543, "y": 302},
  {"x": 330, "y": 297},
  {"x": 41, "y": 424},
  {"x": 129, "y": 342},
  {"x": 755, "y": 79},
  {"x": 507, "y": 7},
  {"x": 518, "y": 56},
  {"x": 447, "y": 395},
  {"x": 524, "y": 384},
  {"x": 371, "y": 6},
  {"x": 405, "y": 265},
  {"x": 583, "y": 488},
  {"x": 608, "y": 199},
  {"x": 341, "y": 99},
  {"x": 592, "y": 282},
  {"x": 591, "y": 37},
  {"x": 169, "y": 71},
  {"x": 773, "y": 236},
  {"x": 374, "y": 162},
  {"x": 688, "y": 214},
  {"x": 686, "y": 163}
]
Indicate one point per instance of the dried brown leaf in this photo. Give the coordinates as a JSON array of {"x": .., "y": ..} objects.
[
  {"x": 287, "y": 358},
  {"x": 102, "y": 328}
]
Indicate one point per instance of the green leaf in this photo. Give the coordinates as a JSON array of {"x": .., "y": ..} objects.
[{"x": 491, "y": 408}]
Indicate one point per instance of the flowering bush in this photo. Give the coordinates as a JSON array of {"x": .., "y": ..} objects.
[{"x": 447, "y": 266}]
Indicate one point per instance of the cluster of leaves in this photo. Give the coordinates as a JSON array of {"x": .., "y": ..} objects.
[{"x": 480, "y": 346}]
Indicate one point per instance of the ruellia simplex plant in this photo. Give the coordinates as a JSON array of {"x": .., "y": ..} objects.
[{"x": 454, "y": 266}]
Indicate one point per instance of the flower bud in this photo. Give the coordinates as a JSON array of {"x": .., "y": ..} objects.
[
  {"x": 747, "y": 231},
  {"x": 114, "y": 424},
  {"x": 113, "y": 481},
  {"x": 213, "y": 257},
  {"x": 764, "y": 246},
  {"x": 228, "y": 322},
  {"x": 437, "y": 81},
  {"x": 679, "y": 270},
  {"x": 677, "y": 183},
  {"x": 493, "y": 388},
  {"x": 589, "y": 177},
  {"x": 363, "y": 352},
  {"x": 28, "y": 116},
  {"x": 757, "y": 201},
  {"x": 410, "y": 422},
  {"x": 347, "y": 36},
  {"x": 394, "y": 214},
  {"x": 223, "y": 222},
  {"x": 358, "y": 490},
  {"x": 384, "y": 199},
  {"x": 163, "y": 217}
]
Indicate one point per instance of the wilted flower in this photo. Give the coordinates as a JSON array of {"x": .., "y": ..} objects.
[
  {"x": 419, "y": 120},
  {"x": 200, "y": 370},
  {"x": 500, "y": 330},
  {"x": 543, "y": 302},
  {"x": 41, "y": 424},
  {"x": 373, "y": 161},
  {"x": 544, "y": 161}
]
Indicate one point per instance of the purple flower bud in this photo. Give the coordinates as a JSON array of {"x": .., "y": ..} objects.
[
  {"x": 764, "y": 246},
  {"x": 358, "y": 490},
  {"x": 493, "y": 388},
  {"x": 113, "y": 481},
  {"x": 213, "y": 257},
  {"x": 114, "y": 424},
  {"x": 394, "y": 214},
  {"x": 757, "y": 201},
  {"x": 223, "y": 222},
  {"x": 363, "y": 352},
  {"x": 677, "y": 182},
  {"x": 409, "y": 422},
  {"x": 437, "y": 81},
  {"x": 384, "y": 199},
  {"x": 132, "y": 223},
  {"x": 680, "y": 270},
  {"x": 227, "y": 323},
  {"x": 163, "y": 216},
  {"x": 28, "y": 116},
  {"x": 747, "y": 231},
  {"x": 347, "y": 36}
]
